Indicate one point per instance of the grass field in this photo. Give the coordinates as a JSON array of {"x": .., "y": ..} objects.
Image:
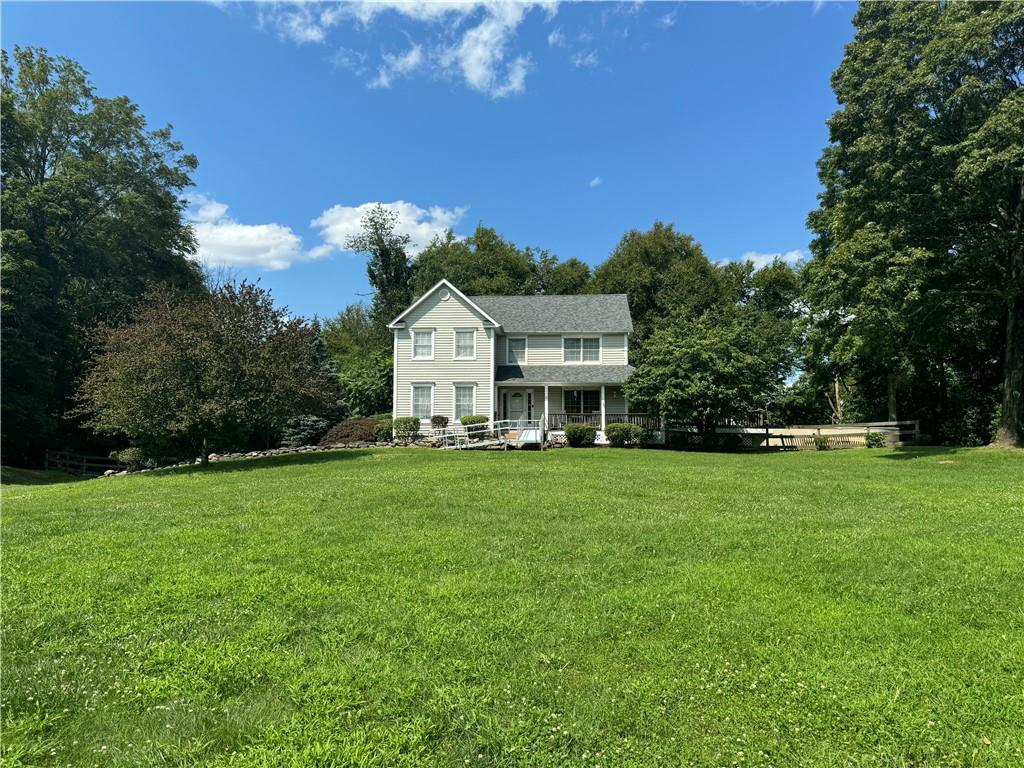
[{"x": 571, "y": 608}]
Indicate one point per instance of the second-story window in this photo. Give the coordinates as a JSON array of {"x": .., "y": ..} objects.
[
  {"x": 422, "y": 345},
  {"x": 517, "y": 351},
  {"x": 581, "y": 349},
  {"x": 465, "y": 345}
]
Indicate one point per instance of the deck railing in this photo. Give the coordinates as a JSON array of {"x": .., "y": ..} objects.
[{"x": 559, "y": 420}]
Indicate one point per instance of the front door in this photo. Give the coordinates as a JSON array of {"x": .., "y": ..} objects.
[{"x": 518, "y": 404}]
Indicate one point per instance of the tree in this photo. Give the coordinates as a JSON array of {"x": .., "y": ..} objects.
[
  {"x": 92, "y": 214},
  {"x": 206, "y": 370},
  {"x": 482, "y": 264},
  {"x": 916, "y": 285},
  {"x": 353, "y": 334},
  {"x": 486, "y": 264},
  {"x": 361, "y": 351},
  {"x": 388, "y": 266},
  {"x": 562, "y": 278},
  {"x": 664, "y": 273},
  {"x": 725, "y": 363}
]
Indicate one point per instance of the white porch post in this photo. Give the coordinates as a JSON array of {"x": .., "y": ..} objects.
[
  {"x": 545, "y": 407},
  {"x": 602, "y": 408}
]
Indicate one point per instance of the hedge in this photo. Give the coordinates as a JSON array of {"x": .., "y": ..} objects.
[
  {"x": 623, "y": 435},
  {"x": 407, "y": 428},
  {"x": 580, "y": 435},
  {"x": 359, "y": 430}
]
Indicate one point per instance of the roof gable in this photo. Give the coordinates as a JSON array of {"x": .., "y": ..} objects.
[{"x": 399, "y": 321}]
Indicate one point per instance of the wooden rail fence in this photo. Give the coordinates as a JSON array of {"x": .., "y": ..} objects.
[
  {"x": 80, "y": 464},
  {"x": 803, "y": 437}
]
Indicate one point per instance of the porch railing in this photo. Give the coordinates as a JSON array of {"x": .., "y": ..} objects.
[{"x": 559, "y": 420}]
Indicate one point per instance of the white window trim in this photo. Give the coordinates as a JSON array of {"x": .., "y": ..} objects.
[
  {"x": 581, "y": 336},
  {"x": 526, "y": 350},
  {"x": 455, "y": 344},
  {"x": 412, "y": 338},
  {"x": 455, "y": 400},
  {"x": 412, "y": 398}
]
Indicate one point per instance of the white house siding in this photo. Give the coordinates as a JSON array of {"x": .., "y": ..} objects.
[
  {"x": 444, "y": 371},
  {"x": 614, "y": 402},
  {"x": 544, "y": 350},
  {"x": 613, "y": 349}
]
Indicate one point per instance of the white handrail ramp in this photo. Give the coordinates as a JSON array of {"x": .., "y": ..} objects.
[{"x": 514, "y": 432}]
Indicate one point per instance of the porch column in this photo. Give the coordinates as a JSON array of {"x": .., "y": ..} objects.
[
  {"x": 545, "y": 406},
  {"x": 602, "y": 407}
]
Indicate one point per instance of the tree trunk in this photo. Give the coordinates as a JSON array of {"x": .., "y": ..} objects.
[
  {"x": 1010, "y": 430},
  {"x": 891, "y": 384},
  {"x": 205, "y": 458}
]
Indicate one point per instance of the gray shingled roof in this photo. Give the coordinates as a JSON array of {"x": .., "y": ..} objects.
[
  {"x": 562, "y": 374},
  {"x": 596, "y": 313}
]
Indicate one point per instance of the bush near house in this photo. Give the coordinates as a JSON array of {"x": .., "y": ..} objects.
[
  {"x": 439, "y": 422},
  {"x": 407, "y": 428},
  {"x": 384, "y": 431},
  {"x": 580, "y": 435},
  {"x": 352, "y": 430},
  {"x": 625, "y": 435},
  {"x": 468, "y": 420}
]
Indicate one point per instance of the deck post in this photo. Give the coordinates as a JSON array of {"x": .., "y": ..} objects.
[
  {"x": 545, "y": 426},
  {"x": 602, "y": 408}
]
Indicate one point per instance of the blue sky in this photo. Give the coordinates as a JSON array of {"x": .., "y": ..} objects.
[{"x": 560, "y": 125}]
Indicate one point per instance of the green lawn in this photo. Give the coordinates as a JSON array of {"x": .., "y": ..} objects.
[{"x": 571, "y": 608}]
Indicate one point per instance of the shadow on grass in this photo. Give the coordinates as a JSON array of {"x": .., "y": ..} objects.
[
  {"x": 14, "y": 476},
  {"x": 267, "y": 462},
  {"x": 910, "y": 452}
]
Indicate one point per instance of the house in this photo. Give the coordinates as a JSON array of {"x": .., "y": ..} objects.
[{"x": 555, "y": 359}]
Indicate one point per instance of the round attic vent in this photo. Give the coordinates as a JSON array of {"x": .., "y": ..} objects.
[{"x": 445, "y": 294}]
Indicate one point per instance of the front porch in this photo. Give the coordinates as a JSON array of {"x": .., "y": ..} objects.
[{"x": 556, "y": 405}]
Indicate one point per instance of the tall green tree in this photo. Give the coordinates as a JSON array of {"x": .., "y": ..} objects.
[
  {"x": 664, "y": 273},
  {"x": 725, "y": 363},
  {"x": 916, "y": 290},
  {"x": 206, "y": 371},
  {"x": 361, "y": 351},
  {"x": 92, "y": 214},
  {"x": 388, "y": 266},
  {"x": 485, "y": 263}
]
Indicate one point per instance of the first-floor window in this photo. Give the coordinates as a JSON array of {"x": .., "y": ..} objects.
[
  {"x": 465, "y": 404},
  {"x": 582, "y": 401},
  {"x": 422, "y": 400}
]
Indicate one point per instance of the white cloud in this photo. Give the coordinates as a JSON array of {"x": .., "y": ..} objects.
[
  {"x": 759, "y": 259},
  {"x": 470, "y": 39},
  {"x": 340, "y": 222},
  {"x": 597, "y": 181},
  {"x": 397, "y": 65},
  {"x": 481, "y": 53},
  {"x": 557, "y": 38},
  {"x": 668, "y": 20},
  {"x": 224, "y": 242},
  {"x": 584, "y": 59}
]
